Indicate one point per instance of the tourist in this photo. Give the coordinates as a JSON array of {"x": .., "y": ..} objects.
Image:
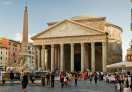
[
  {"x": 31, "y": 77},
  {"x": 95, "y": 78},
  {"x": 52, "y": 79},
  {"x": 43, "y": 80},
  {"x": 90, "y": 77},
  {"x": 131, "y": 83},
  {"x": 11, "y": 76},
  {"x": 76, "y": 78},
  {"x": 65, "y": 80},
  {"x": 126, "y": 86},
  {"x": 48, "y": 79},
  {"x": 62, "y": 79},
  {"x": 118, "y": 87},
  {"x": 24, "y": 82}
]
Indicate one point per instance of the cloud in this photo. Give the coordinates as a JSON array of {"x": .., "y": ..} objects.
[
  {"x": 18, "y": 37},
  {"x": 7, "y": 2},
  {"x": 29, "y": 38}
]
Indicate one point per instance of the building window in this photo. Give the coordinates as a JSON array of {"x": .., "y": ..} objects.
[
  {"x": 29, "y": 52},
  {"x": 128, "y": 58},
  {"x": 1, "y": 58},
  {"x": 28, "y": 48},
  {"x": 131, "y": 58}
]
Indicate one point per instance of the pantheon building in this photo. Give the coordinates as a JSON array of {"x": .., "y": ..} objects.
[{"x": 78, "y": 44}]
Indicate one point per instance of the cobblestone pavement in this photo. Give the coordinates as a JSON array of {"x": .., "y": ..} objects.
[{"x": 83, "y": 86}]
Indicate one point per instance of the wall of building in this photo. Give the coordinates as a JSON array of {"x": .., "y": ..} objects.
[
  {"x": 14, "y": 52},
  {"x": 114, "y": 53},
  {"x": 3, "y": 57},
  {"x": 32, "y": 53},
  {"x": 97, "y": 24},
  {"x": 114, "y": 32}
]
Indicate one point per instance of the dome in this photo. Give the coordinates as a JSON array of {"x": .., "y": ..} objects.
[{"x": 86, "y": 17}]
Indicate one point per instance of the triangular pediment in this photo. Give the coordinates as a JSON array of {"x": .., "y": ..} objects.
[{"x": 67, "y": 28}]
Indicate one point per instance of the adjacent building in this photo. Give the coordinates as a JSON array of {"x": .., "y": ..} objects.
[
  {"x": 3, "y": 57},
  {"x": 9, "y": 52},
  {"x": 32, "y": 55},
  {"x": 78, "y": 44},
  {"x": 3, "y": 53},
  {"x": 14, "y": 48},
  {"x": 129, "y": 53}
]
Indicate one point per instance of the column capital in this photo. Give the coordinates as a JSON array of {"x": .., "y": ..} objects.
[
  {"x": 104, "y": 43},
  {"x": 52, "y": 45},
  {"x": 82, "y": 43},
  {"x": 62, "y": 44},
  {"x": 72, "y": 43},
  {"x": 43, "y": 46},
  {"x": 92, "y": 42}
]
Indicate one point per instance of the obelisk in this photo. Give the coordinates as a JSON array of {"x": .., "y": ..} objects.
[
  {"x": 25, "y": 56},
  {"x": 25, "y": 28}
]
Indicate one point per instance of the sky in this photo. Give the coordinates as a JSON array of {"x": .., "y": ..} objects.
[{"x": 43, "y": 11}]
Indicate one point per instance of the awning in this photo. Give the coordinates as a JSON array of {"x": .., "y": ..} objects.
[{"x": 120, "y": 65}]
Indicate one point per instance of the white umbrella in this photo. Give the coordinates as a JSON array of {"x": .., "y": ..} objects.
[{"x": 120, "y": 64}]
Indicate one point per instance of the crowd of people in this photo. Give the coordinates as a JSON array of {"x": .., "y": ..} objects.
[
  {"x": 65, "y": 79},
  {"x": 121, "y": 81}
]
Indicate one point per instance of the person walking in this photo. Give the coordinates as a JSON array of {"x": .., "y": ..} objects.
[
  {"x": 24, "y": 82},
  {"x": 52, "y": 79},
  {"x": 43, "y": 80},
  {"x": 11, "y": 76},
  {"x": 76, "y": 78},
  {"x": 126, "y": 85},
  {"x": 95, "y": 78},
  {"x": 91, "y": 77},
  {"x": 62, "y": 79},
  {"x": 31, "y": 77},
  {"x": 48, "y": 79},
  {"x": 131, "y": 83}
]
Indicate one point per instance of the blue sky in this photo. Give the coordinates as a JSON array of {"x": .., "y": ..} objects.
[{"x": 43, "y": 11}]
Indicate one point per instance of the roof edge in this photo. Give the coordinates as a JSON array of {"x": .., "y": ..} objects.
[{"x": 110, "y": 24}]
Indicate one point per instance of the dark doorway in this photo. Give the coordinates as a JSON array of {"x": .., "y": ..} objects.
[{"x": 77, "y": 62}]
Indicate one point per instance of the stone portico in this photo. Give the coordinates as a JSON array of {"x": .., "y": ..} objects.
[{"x": 71, "y": 45}]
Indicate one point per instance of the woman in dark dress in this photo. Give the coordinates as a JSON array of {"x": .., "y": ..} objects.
[{"x": 24, "y": 82}]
